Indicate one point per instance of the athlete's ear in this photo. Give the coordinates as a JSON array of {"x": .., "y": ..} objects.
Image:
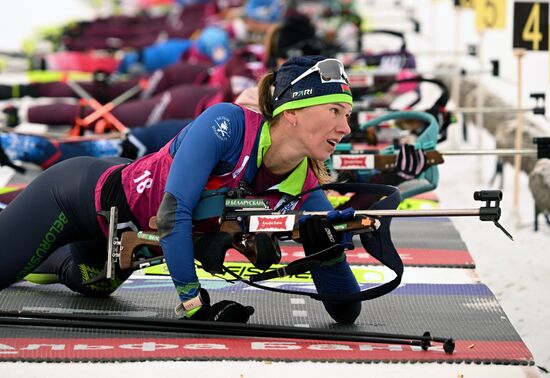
[{"x": 290, "y": 116}]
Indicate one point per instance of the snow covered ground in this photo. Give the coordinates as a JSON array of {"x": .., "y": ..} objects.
[{"x": 516, "y": 271}]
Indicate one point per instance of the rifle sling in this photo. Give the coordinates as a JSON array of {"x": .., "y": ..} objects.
[
  {"x": 379, "y": 245},
  {"x": 300, "y": 266}
]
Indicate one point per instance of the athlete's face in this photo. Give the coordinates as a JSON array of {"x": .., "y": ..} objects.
[{"x": 322, "y": 127}]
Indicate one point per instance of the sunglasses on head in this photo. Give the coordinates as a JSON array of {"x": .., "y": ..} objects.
[{"x": 330, "y": 70}]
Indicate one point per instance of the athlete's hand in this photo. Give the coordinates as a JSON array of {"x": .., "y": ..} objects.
[
  {"x": 410, "y": 162},
  {"x": 317, "y": 234},
  {"x": 223, "y": 311}
]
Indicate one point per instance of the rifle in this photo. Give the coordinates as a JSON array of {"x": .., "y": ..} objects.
[
  {"x": 346, "y": 158},
  {"x": 245, "y": 220},
  {"x": 426, "y": 141},
  {"x": 248, "y": 221}
]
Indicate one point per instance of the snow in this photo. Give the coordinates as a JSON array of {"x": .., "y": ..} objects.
[
  {"x": 23, "y": 18},
  {"x": 516, "y": 271}
]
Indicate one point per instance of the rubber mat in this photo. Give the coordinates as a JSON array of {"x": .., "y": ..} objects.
[{"x": 469, "y": 313}]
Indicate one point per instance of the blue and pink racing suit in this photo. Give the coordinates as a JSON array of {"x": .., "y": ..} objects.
[{"x": 219, "y": 149}]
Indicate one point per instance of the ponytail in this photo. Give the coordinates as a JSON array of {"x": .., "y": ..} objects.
[{"x": 265, "y": 97}]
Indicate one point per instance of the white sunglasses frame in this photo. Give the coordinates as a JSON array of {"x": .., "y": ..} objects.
[{"x": 315, "y": 68}]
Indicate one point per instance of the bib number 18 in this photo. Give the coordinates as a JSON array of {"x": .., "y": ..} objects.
[{"x": 143, "y": 182}]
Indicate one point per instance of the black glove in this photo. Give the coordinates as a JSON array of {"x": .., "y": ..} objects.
[
  {"x": 223, "y": 311},
  {"x": 410, "y": 162},
  {"x": 317, "y": 234}
]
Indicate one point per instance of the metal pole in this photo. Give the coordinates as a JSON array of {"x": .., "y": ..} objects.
[
  {"x": 519, "y": 53},
  {"x": 448, "y": 73},
  {"x": 491, "y": 110},
  {"x": 358, "y": 105},
  {"x": 410, "y": 213},
  {"x": 501, "y": 152},
  {"x": 479, "y": 100},
  {"x": 459, "y": 72},
  {"x": 455, "y": 86},
  {"x": 453, "y": 53}
]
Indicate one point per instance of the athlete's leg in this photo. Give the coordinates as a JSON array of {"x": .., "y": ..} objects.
[
  {"x": 74, "y": 264},
  {"x": 56, "y": 208}
]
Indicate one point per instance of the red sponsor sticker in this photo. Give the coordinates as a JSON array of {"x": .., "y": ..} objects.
[
  {"x": 270, "y": 223},
  {"x": 353, "y": 161}
]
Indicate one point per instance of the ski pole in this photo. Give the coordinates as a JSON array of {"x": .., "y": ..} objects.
[{"x": 216, "y": 328}]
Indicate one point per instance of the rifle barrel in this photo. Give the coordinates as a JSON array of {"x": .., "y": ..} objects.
[
  {"x": 410, "y": 213},
  {"x": 475, "y": 110},
  {"x": 443, "y": 53},
  {"x": 393, "y": 71},
  {"x": 501, "y": 152}
]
